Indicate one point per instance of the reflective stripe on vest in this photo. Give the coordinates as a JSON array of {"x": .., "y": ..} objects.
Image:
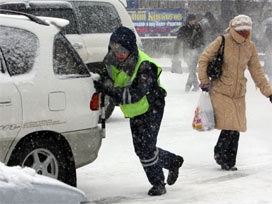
[{"x": 121, "y": 79}]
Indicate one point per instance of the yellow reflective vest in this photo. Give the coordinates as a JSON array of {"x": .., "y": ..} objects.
[{"x": 121, "y": 79}]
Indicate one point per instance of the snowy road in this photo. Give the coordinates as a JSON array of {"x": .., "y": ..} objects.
[{"x": 117, "y": 176}]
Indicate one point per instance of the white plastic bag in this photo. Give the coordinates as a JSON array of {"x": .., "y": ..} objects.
[{"x": 204, "y": 115}]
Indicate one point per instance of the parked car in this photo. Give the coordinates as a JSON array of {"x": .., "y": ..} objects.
[
  {"x": 49, "y": 108},
  {"x": 91, "y": 24},
  {"x": 22, "y": 185}
]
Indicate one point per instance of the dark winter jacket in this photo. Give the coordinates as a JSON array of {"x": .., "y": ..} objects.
[
  {"x": 192, "y": 37},
  {"x": 210, "y": 27}
]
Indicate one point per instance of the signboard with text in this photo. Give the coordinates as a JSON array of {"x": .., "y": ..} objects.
[{"x": 157, "y": 21}]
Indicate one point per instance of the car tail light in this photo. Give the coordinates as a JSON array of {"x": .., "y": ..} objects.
[{"x": 94, "y": 103}]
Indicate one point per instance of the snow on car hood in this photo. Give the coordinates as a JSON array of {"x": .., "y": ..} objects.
[{"x": 23, "y": 185}]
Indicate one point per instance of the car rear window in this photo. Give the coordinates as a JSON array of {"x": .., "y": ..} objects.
[
  {"x": 19, "y": 48},
  {"x": 67, "y": 62}
]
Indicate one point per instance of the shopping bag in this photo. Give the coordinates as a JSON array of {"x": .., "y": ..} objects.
[{"x": 204, "y": 115}]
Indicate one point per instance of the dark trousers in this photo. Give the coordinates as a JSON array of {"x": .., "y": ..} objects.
[
  {"x": 192, "y": 80},
  {"x": 145, "y": 129},
  {"x": 225, "y": 150},
  {"x": 191, "y": 58}
]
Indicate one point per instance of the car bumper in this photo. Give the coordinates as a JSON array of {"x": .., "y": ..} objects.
[{"x": 85, "y": 144}]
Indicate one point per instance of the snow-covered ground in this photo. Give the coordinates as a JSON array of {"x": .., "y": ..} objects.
[{"x": 117, "y": 175}]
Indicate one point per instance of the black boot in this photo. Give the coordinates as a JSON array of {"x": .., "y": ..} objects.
[
  {"x": 228, "y": 168},
  {"x": 174, "y": 172},
  {"x": 157, "y": 190},
  {"x": 218, "y": 158}
]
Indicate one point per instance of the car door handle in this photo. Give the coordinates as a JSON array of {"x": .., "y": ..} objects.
[
  {"x": 78, "y": 46},
  {"x": 5, "y": 102}
]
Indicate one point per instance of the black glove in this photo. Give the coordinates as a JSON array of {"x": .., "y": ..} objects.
[
  {"x": 205, "y": 89},
  {"x": 98, "y": 85},
  {"x": 105, "y": 86},
  {"x": 270, "y": 97}
]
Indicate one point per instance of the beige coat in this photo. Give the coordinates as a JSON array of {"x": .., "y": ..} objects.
[{"x": 228, "y": 92}]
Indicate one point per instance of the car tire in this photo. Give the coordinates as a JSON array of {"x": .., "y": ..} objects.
[{"x": 48, "y": 157}]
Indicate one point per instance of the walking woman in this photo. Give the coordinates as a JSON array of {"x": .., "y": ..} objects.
[{"x": 228, "y": 92}]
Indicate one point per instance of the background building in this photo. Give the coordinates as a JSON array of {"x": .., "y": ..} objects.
[{"x": 223, "y": 10}]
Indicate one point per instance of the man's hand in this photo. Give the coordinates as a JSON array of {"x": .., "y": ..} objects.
[
  {"x": 105, "y": 86},
  {"x": 98, "y": 85}
]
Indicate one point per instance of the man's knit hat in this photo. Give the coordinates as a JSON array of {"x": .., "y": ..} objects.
[
  {"x": 241, "y": 22},
  {"x": 190, "y": 17},
  {"x": 125, "y": 37}
]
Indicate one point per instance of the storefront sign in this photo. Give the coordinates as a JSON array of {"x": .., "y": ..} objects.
[{"x": 157, "y": 21}]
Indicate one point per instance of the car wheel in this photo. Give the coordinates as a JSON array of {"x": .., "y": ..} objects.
[
  {"x": 48, "y": 157},
  {"x": 43, "y": 161}
]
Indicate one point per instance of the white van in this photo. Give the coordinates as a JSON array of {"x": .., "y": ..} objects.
[{"x": 49, "y": 108}]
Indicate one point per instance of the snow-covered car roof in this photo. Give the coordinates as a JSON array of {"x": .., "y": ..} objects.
[
  {"x": 58, "y": 22},
  {"x": 23, "y": 185}
]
